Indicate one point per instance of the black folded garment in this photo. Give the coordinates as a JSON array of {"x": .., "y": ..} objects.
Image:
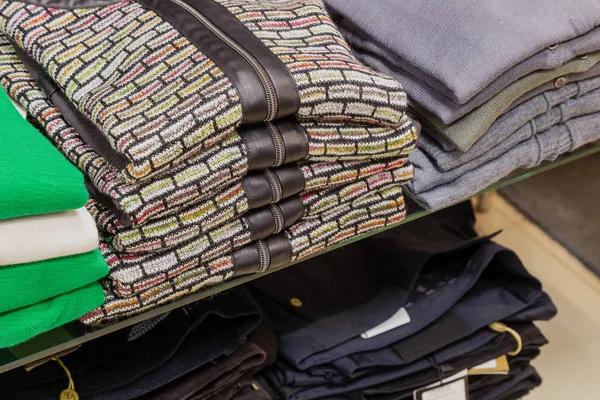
[
  {"x": 519, "y": 383},
  {"x": 226, "y": 377},
  {"x": 324, "y": 308},
  {"x": 133, "y": 362},
  {"x": 497, "y": 345}
]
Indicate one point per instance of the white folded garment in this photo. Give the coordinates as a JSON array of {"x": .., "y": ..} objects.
[{"x": 42, "y": 237}]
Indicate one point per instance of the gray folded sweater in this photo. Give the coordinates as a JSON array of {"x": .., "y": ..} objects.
[
  {"x": 514, "y": 119},
  {"x": 450, "y": 187},
  {"x": 461, "y": 49}
]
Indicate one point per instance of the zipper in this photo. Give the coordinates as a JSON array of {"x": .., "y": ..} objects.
[
  {"x": 264, "y": 255},
  {"x": 260, "y": 72},
  {"x": 278, "y": 142},
  {"x": 278, "y": 217},
  {"x": 275, "y": 184}
]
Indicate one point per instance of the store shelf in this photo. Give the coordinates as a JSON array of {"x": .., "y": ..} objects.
[{"x": 74, "y": 334}]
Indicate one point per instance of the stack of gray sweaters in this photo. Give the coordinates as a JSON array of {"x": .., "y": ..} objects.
[{"x": 498, "y": 86}]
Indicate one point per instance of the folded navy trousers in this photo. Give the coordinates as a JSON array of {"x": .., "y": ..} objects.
[
  {"x": 540, "y": 310},
  {"x": 496, "y": 346}
]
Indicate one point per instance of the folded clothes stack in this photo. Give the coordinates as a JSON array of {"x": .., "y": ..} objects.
[
  {"x": 206, "y": 350},
  {"x": 498, "y": 86},
  {"x": 460, "y": 310},
  {"x": 49, "y": 257},
  {"x": 422, "y": 305},
  {"x": 218, "y": 138}
]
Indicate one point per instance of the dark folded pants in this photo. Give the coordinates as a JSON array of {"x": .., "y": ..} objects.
[
  {"x": 481, "y": 273},
  {"x": 518, "y": 383},
  {"x": 498, "y": 345},
  {"x": 457, "y": 345},
  {"x": 226, "y": 376},
  {"x": 342, "y": 299},
  {"x": 189, "y": 338}
]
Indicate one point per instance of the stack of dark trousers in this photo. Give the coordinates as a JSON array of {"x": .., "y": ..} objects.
[
  {"x": 218, "y": 138},
  {"x": 490, "y": 101},
  {"x": 206, "y": 350},
  {"x": 445, "y": 296},
  {"x": 448, "y": 307}
]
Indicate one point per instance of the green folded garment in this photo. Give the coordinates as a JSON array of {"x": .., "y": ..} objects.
[
  {"x": 34, "y": 177},
  {"x": 20, "y": 325},
  {"x": 26, "y": 284}
]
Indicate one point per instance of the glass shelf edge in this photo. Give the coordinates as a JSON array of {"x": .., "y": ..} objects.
[{"x": 6, "y": 354}]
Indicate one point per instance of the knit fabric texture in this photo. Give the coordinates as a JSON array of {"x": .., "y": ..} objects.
[
  {"x": 27, "y": 322},
  {"x": 481, "y": 43},
  {"x": 26, "y": 284},
  {"x": 136, "y": 272},
  {"x": 46, "y": 236},
  {"x": 232, "y": 203},
  {"x": 466, "y": 131},
  {"x": 382, "y": 208},
  {"x": 158, "y": 111},
  {"x": 540, "y": 112},
  {"x": 448, "y": 110},
  {"x": 199, "y": 176},
  {"x": 570, "y": 78},
  {"x": 35, "y": 178},
  {"x": 545, "y": 146},
  {"x": 430, "y": 178}
]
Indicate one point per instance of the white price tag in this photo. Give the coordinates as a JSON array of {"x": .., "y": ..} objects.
[{"x": 455, "y": 390}]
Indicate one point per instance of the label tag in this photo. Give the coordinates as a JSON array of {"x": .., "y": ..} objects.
[
  {"x": 455, "y": 390},
  {"x": 498, "y": 366},
  {"x": 400, "y": 318}
]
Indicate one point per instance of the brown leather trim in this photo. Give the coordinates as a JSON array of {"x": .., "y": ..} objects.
[
  {"x": 280, "y": 249},
  {"x": 71, "y": 4},
  {"x": 295, "y": 139},
  {"x": 247, "y": 259},
  {"x": 88, "y": 132},
  {"x": 258, "y": 191},
  {"x": 261, "y": 150},
  {"x": 288, "y": 101},
  {"x": 293, "y": 209},
  {"x": 239, "y": 72},
  {"x": 291, "y": 179},
  {"x": 262, "y": 222}
]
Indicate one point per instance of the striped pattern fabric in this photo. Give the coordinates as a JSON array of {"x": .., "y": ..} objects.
[
  {"x": 168, "y": 232},
  {"x": 331, "y": 83},
  {"x": 173, "y": 216},
  {"x": 159, "y": 99},
  {"x": 339, "y": 141},
  {"x": 154, "y": 94},
  {"x": 202, "y": 175},
  {"x": 133, "y": 273},
  {"x": 381, "y": 208}
]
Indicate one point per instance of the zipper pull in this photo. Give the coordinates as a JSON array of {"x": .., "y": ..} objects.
[
  {"x": 69, "y": 393},
  {"x": 502, "y": 328}
]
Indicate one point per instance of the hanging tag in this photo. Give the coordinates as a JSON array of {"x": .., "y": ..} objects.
[
  {"x": 498, "y": 366},
  {"x": 68, "y": 394},
  {"x": 33, "y": 365},
  {"x": 400, "y": 318},
  {"x": 455, "y": 390}
]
